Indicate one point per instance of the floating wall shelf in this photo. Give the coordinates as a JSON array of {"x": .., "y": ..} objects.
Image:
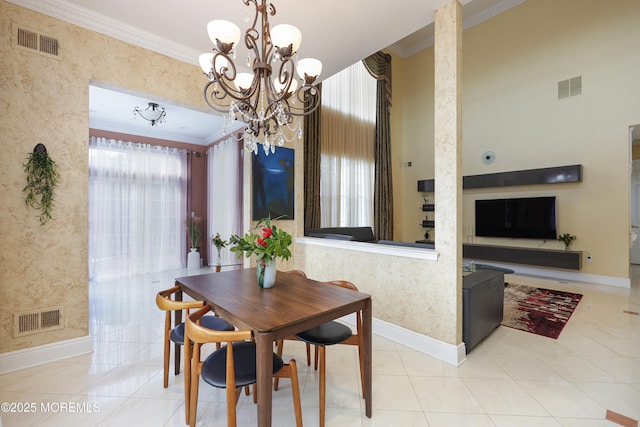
[{"x": 552, "y": 175}]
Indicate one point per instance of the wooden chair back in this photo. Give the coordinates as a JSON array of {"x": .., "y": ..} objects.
[
  {"x": 199, "y": 336},
  {"x": 165, "y": 302},
  {"x": 348, "y": 285},
  {"x": 298, "y": 272},
  {"x": 343, "y": 284}
]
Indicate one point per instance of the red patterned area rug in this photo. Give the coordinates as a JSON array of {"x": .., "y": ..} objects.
[{"x": 536, "y": 310}]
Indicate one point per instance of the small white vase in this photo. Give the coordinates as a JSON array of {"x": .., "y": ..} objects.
[
  {"x": 193, "y": 259},
  {"x": 266, "y": 272}
]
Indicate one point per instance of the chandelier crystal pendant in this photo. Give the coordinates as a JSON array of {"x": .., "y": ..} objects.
[
  {"x": 154, "y": 113},
  {"x": 267, "y": 99}
]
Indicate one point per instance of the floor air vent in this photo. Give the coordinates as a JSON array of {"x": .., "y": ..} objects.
[
  {"x": 35, "y": 42},
  {"x": 37, "y": 321}
]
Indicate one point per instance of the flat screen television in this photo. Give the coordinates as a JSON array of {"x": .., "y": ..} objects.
[{"x": 526, "y": 218}]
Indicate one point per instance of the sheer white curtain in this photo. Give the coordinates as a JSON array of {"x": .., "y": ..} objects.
[
  {"x": 137, "y": 208},
  {"x": 224, "y": 174},
  {"x": 347, "y": 159}
]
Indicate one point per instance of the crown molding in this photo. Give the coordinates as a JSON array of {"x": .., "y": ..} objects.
[
  {"x": 102, "y": 24},
  {"x": 469, "y": 22},
  {"x": 490, "y": 12}
]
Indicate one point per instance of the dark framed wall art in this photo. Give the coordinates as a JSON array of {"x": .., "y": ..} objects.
[{"x": 272, "y": 189}]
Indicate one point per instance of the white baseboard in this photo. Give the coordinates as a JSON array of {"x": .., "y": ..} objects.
[
  {"x": 449, "y": 353},
  {"x": 33, "y": 356}
]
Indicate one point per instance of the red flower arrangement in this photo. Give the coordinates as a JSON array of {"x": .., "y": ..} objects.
[
  {"x": 218, "y": 242},
  {"x": 274, "y": 242}
]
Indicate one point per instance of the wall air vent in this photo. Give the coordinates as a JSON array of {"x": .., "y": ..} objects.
[
  {"x": 570, "y": 87},
  {"x": 31, "y": 40},
  {"x": 37, "y": 321}
]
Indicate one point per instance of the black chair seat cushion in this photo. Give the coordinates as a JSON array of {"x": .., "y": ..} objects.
[
  {"x": 214, "y": 368},
  {"x": 209, "y": 322},
  {"x": 328, "y": 333}
]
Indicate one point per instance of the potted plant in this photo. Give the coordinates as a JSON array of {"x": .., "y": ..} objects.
[
  {"x": 566, "y": 238},
  {"x": 272, "y": 243},
  {"x": 219, "y": 243},
  {"x": 193, "y": 231},
  {"x": 42, "y": 179}
]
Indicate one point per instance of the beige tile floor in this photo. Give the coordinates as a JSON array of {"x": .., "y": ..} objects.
[{"x": 512, "y": 378}]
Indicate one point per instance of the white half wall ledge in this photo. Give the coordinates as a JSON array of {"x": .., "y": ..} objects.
[
  {"x": 47, "y": 353},
  {"x": 374, "y": 248},
  {"x": 432, "y": 255}
]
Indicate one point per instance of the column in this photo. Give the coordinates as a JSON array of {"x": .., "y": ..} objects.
[{"x": 448, "y": 164}]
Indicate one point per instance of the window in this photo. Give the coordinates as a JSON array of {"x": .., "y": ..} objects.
[
  {"x": 137, "y": 205},
  {"x": 347, "y": 163},
  {"x": 224, "y": 196}
]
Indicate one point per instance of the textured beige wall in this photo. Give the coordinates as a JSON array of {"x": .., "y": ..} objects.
[
  {"x": 510, "y": 74},
  {"x": 404, "y": 291},
  {"x": 46, "y": 100}
]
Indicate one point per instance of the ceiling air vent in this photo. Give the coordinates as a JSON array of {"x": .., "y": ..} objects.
[
  {"x": 36, "y": 321},
  {"x": 570, "y": 87},
  {"x": 35, "y": 42}
]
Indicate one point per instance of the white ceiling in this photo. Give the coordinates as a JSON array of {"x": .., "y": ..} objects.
[
  {"x": 337, "y": 32},
  {"x": 111, "y": 109}
]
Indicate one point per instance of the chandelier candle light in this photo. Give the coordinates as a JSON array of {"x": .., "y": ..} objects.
[{"x": 267, "y": 99}]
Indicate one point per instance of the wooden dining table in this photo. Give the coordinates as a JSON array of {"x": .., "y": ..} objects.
[{"x": 293, "y": 305}]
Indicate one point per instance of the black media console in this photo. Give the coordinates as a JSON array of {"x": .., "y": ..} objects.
[{"x": 528, "y": 256}]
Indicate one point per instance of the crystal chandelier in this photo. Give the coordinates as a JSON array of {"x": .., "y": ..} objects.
[
  {"x": 154, "y": 113},
  {"x": 267, "y": 99}
]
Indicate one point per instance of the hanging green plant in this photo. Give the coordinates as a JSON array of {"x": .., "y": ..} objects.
[{"x": 42, "y": 179}]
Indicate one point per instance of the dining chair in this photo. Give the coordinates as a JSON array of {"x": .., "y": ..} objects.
[
  {"x": 298, "y": 272},
  {"x": 331, "y": 333},
  {"x": 280, "y": 343},
  {"x": 232, "y": 367},
  {"x": 165, "y": 302}
]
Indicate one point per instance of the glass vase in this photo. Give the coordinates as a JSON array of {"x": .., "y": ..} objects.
[{"x": 266, "y": 272}]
